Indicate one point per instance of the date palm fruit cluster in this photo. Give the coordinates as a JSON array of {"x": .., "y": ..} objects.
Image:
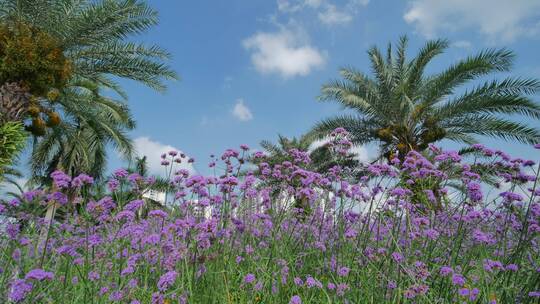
[
  {"x": 33, "y": 69},
  {"x": 406, "y": 140}
]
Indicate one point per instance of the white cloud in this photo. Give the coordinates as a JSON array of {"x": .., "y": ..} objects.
[
  {"x": 284, "y": 52},
  {"x": 332, "y": 16},
  {"x": 145, "y": 146},
  {"x": 313, "y": 3},
  {"x": 328, "y": 11},
  {"x": 498, "y": 20},
  {"x": 361, "y": 153},
  {"x": 287, "y": 6},
  {"x": 359, "y": 2},
  {"x": 291, "y": 6},
  {"x": 241, "y": 111}
]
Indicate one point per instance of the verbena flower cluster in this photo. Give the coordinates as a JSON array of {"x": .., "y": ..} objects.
[{"x": 434, "y": 227}]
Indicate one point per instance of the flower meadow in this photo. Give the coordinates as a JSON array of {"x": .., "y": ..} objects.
[{"x": 433, "y": 227}]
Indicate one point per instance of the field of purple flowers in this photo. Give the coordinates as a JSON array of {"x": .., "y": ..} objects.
[{"x": 438, "y": 227}]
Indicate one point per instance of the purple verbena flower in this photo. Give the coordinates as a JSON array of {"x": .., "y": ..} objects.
[
  {"x": 39, "y": 275},
  {"x": 167, "y": 280},
  {"x": 295, "y": 300},
  {"x": 19, "y": 289},
  {"x": 249, "y": 278}
]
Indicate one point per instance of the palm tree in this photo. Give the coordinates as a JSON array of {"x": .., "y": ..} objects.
[
  {"x": 139, "y": 165},
  {"x": 78, "y": 144},
  {"x": 279, "y": 152},
  {"x": 92, "y": 36},
  {"x": 160, "y": 184},
  {"x": 88, "y": 41},
  {"x": 404, "y": 109},
  {"x": 321, "y": 156},
  {"x": 322, "y": 159}
]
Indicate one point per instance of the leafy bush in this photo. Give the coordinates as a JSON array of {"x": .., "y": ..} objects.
[{"x": 226, "y": 239}]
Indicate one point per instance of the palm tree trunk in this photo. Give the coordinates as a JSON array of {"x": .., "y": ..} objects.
[
  {"x": 46, "y": 229},
  {"x": 14, "y": 102},
  {"x": 49, "y": 217}
]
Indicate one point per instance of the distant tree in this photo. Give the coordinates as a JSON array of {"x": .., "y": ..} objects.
[
  {"x": 321, "y": 155},
  {"x": 322, "y": 158}
]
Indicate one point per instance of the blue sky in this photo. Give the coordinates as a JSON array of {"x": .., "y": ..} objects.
[{"x": 251, "y": 69}]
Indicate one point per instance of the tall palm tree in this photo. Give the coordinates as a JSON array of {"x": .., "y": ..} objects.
[
  {"x": 91, "y": 41},
  {"x": 92, "y": 35},
  {"x": 404, "y": 108}
]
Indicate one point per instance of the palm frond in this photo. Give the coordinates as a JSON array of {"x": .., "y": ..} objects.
[
  {"x": 360, "y": 129},
  {"x": 12, "y": 140},
  {"x": 504, "y": 97},
  {"x": 400, "y": 64},
  {"x": 97, "y": 22},
  {"x": 444, "y": 84},
  {"x": 270, "y": 147},
  {"x": 487, "y": 125},
  {"x": 417, "y": 66}
]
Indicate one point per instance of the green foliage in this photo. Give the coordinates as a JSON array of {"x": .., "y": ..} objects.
[
  {"x": 321, "y": 156},
  {"x": 12, "y": 139},
  {"x": 96, "y": 39},
  {"x": 93, "y": 36},
  {"x": 404, "y": 109},
  {"x": 79, "y": 143}
]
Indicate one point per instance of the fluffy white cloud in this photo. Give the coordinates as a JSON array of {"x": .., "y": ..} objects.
[
  {"x": 145, "y": 146},
  {"x": 498, "y": 20},
  {"x": 284, "y": 52},
  {"x": 331, "y": 16},
  {"x": 241, "y": 111}
]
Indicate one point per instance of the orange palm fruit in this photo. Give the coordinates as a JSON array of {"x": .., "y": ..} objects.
[{"x": 54, "y": 119}]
